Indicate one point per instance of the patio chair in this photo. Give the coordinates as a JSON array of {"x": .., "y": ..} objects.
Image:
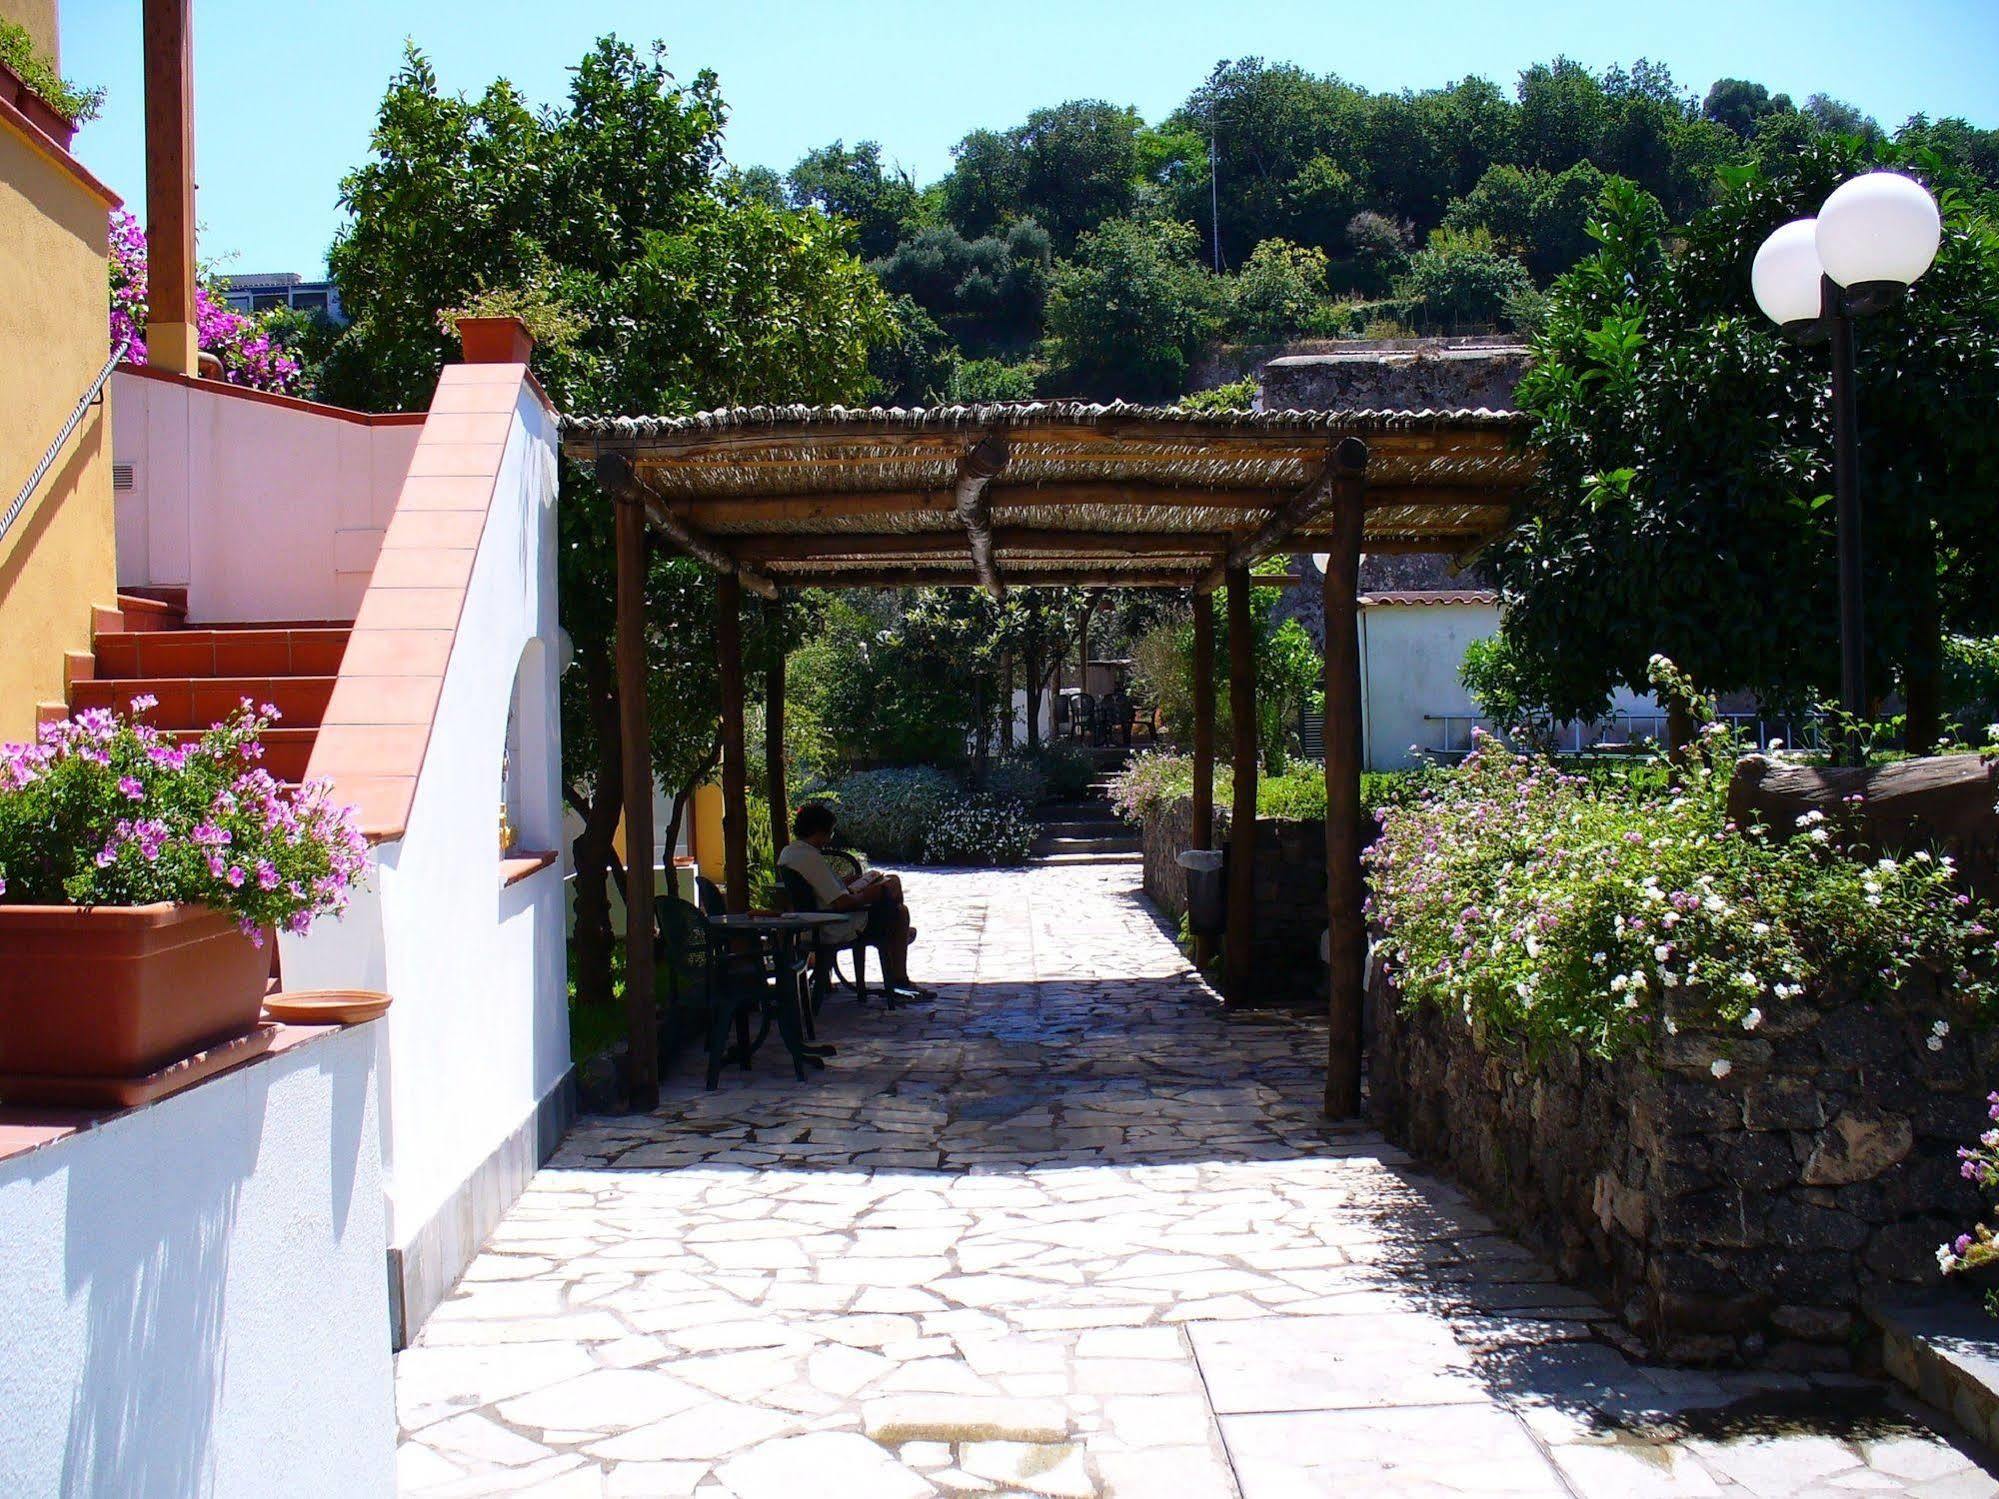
[
  {"x": 1085, "y": 723},
  {"x": 826, "y": 951},
  {"x": 703, "y": 975}
]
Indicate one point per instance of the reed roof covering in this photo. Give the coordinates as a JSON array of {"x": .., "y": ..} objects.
[{"x": 1076, "y": 492}]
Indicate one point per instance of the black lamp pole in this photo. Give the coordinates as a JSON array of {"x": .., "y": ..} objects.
[{"x": 1838, "y": 322}]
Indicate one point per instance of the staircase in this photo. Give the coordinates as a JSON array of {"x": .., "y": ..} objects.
[
  {"x": 1086, "y": 831},
  {"x": 201, "y": 674}
]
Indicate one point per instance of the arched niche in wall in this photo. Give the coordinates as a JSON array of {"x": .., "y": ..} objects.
[{"x": 529, "y": 817}]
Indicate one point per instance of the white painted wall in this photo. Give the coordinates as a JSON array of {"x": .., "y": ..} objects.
[
  {"x": 1410, "y": 655},
  {"x": 478, "y": 1041},
  {"x": 192, "y": 1293},
  {"x": 261, "y": 511}
]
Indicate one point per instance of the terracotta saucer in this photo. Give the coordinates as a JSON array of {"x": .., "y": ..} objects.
[{"x": 325, "y": 1006}]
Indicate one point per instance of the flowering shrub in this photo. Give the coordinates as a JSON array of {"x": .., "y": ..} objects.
[
  {"x": 1567, "y": 911},
  {"x": 250, "y": 355},
  {"x": 1015, "y": 781},
  {"x": 981, "y": 830},
  {"x": 108, "y": 811},
  {"x": 887, "y": 813},
  {"x": 1980, "y": 1247}
]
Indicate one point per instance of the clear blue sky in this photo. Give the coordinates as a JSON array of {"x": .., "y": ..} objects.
[{"x": 285, "y": 92}]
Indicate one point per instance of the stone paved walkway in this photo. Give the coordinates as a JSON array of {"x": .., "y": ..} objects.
[{"x": 1067, "y": 1232}]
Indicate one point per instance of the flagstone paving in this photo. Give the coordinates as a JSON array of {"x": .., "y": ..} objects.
[{"x": 1070, "y": 1231}]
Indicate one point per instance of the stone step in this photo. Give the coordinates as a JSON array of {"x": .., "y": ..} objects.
[
  {"x": 1098, "y": 827},
  {"x": 1113, "y": 844},
  {"x": 1944, "y": 1348},
  {"x": 1044, "y": 860}
]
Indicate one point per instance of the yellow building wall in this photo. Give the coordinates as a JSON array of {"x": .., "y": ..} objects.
[
  {"x": 58, "y": 560},
  {"x": 38, "y": 19}
]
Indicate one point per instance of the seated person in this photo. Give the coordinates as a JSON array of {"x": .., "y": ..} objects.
[{"x": 875, "y": 898}]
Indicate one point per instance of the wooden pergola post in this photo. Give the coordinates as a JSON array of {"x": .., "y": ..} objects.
[
  {"x": 1242, "y": 807},
  {"x": 776, "y": 789},
  {"x": 1346, "y": 926},
  {"x": 735, "y": 803},
  {"x": 635, "y": 750},
  {"x": 1202, "y": 834},
  {"x": 167, "y": 33}
]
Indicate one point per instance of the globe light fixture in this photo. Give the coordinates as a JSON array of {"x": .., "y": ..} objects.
[
  {"x": 1786, "y": 276},
  {"x": 1874, "y": 236},
  {"x": 1880, "y": 229}
]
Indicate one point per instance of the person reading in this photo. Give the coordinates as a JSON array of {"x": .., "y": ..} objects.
[{"x": 874, "y": 898}]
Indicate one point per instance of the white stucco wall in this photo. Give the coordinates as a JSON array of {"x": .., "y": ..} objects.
[
  {"x": 478, "y": 1041},
  {"x": 192, "y": 1293},
  {"x": 1410, "y": 655},
  {"x": 261, "y": 510}
]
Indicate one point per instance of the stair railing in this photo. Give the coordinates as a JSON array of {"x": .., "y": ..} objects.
[{"x": 76, "y": 415}]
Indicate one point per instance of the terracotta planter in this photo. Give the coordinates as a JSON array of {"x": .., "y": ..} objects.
[
  {"x": 120, "y": 991},
  {"x": 41, "y": 114}
]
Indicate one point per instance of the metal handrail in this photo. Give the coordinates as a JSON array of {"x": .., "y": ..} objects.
[{"x": 69, "y": 427}]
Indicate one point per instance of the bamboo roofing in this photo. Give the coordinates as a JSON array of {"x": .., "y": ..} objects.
[{"x": 826, "y": 495}]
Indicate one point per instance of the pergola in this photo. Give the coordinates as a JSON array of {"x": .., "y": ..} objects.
[{"x": 1046, "y": 494}]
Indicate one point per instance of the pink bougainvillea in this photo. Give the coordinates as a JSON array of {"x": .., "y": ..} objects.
[{"x": 249, "y": 355}]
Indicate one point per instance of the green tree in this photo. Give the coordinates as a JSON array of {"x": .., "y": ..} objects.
[
  {"x": 1682, "y": 506},
  {"x": 1276, "y": 292},
  {"x": 688, "y": 288},
  {"x": 879, "y": 201},
  {"x": 1460, "y": 279},
  {"x": 1736, "y": 104},
  {"x": 1128, "y": 314},
  {"x": 1068, "y": 168}
]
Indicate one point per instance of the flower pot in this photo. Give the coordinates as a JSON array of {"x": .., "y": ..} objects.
[
  {"x": 44, "y": 116},
  {"x": 111, "y": 992}
]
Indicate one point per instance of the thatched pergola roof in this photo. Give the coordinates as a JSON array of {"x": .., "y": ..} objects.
[{"x": 1051, "y": 492}]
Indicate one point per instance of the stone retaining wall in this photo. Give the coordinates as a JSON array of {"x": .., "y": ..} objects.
[
  {"x": 1744, "y": 1218},
  {"x": 1290, "y": 896}
]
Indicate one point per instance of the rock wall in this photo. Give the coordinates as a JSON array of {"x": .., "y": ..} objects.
[
  {"x": 1422, "y": 378},
  {"x": 1290, "y": 896},
  {"x": 1740, "y": 1218}
]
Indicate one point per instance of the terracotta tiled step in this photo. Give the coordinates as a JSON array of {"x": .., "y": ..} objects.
[
  {"x": 197, "y": 702},
  {"x": 286, "y": 751},
  {"x": 145, "y": 613},
  {"x": 231, "y": 651}
]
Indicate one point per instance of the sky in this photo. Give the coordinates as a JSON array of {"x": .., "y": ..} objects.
[{"x": 285, "y": 92}]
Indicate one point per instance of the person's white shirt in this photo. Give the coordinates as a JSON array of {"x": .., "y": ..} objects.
[{"x": 817, "y": 871}]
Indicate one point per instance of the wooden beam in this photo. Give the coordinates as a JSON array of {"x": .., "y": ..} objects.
[
  {"x": 1346, "y": 927},
  {"x": 1338, "y": 483},
  {"x": 833, "y": 546},
  {"x": 976, "y": 472},
  {"x": 619, "y": 477},
  {"x": 1203, "y": 831},
  {"x": 735, "y": 787},
  {"x": 167, "y": 37},
  {"x": 1242, "y": 806},
  {"x": 777, "y": 788},
  {"x": 635, "y": 751},
  {"x": 1023, "y": 577}
]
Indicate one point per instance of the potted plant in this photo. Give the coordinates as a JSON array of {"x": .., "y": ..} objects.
[{"x": 139, "y": 879}]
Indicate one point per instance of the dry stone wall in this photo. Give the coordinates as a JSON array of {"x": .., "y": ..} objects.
[{"x": 1744, "y": 1217}]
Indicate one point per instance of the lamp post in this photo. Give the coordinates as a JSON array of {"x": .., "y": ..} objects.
[{"x": 1874, "y": 235}]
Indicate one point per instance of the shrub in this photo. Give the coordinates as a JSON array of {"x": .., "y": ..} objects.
[
  {"x": 108, "y": 811},
  {"x": 1566, "y": 911},
  {"x": 1979, "y": 1249},
  {"x": 1016, "y": 780},
  {"x": 886, "y": 813},
  {"x": 980, "y": 830},
  {"x": 1150, "y": 780},
  {"x": 1066, "y": 769}
]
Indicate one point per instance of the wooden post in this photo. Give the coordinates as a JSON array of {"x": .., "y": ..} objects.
[
  {"x": 167, "y": 32},
  {"x": 635, "y": 746},
  {"x": 1346, "y": 927},
  {"x": 735, "y": 809},
  {"x": 777, "y": 789},
  {"x": 1203, "y": 834},
  {"x": 1242, "y": 808}
]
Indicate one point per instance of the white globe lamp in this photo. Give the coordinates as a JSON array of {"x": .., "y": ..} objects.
[
  {"x": 1785, "y": 275},
  {"x": 1879, "y": 230}
]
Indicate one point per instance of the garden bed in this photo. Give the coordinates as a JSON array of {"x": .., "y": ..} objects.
[{"x": 1735, "y": 1218}]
